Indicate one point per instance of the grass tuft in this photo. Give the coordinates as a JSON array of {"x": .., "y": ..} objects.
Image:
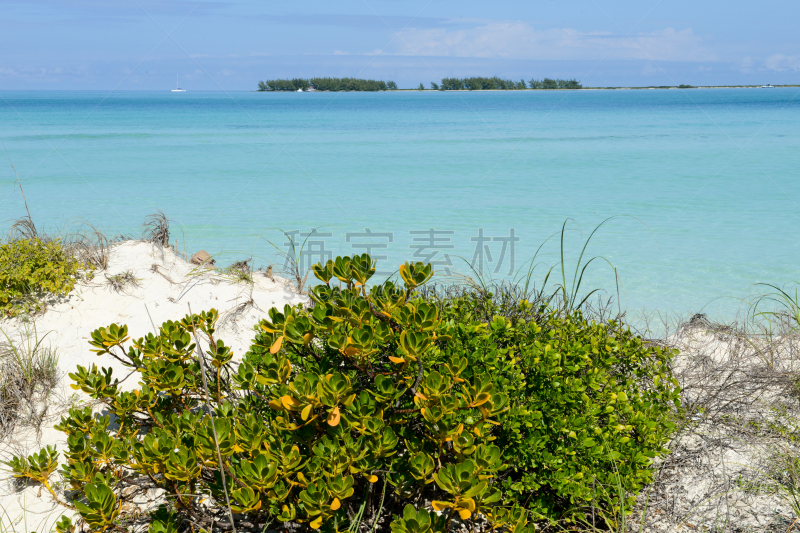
[
  {"x": 241, "y": 271},
  {"x": 155, "y": 229},
  {"x": 28, "y": 373},
  {"x": 118, "y": 282}
]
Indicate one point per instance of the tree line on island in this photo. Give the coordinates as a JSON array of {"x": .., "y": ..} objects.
[
  {"x": 447, "y": 84},
  {"x": 326, "y": 84}
]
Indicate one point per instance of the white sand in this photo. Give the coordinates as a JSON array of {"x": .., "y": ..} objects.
[{"x": 167, "y": 286}]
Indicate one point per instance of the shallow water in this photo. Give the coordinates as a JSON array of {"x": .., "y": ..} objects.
[{"x": 707, "y": 179}]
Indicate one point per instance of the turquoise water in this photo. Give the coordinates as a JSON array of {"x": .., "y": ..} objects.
[{"x": 711, "y": 177}]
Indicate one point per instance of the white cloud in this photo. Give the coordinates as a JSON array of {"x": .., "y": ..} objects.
[
  {"x": 782, "y": 63},
  {"x": 520, "y": 40},
  {"x": 745, "y": 65},
  {"x": 773, "y": 63}
]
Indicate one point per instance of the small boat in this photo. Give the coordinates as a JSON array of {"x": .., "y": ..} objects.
[
  {"x": 177, "y": 89},
  {"x": 299, "y": 90},
  {"x": 768, "y": 86}
]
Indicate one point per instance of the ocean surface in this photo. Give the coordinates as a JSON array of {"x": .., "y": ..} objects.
[{"x": 703, "y": 183}]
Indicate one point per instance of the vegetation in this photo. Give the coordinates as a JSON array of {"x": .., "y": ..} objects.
[
  {"x": 30, "y": 268},
  {"x": 326, "y": 84},
  {"x": 376, "y": 410},
  {"x": 448, "y": 84},
  {"x": 155, "y": 229},
  {"x": 495, "y": 83},
  {"x": 476, "y": 84},
  {"x": 590, "y": 404},
  {"x": 547, "y": 83},
  {"x": 28, "y": 373},
  {"x": 118, "y": 282}
]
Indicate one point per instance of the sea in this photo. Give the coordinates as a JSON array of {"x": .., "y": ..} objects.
[{"x": 673, "y": 201}]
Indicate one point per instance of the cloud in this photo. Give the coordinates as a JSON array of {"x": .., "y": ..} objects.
[
  {"x": 520, "y": 40},
  {"x": 773, "y": 63},
  {"x": 352, "y": 21},
  {"x": 745, "y": 65},
  {"x": 782, "y": 63}
]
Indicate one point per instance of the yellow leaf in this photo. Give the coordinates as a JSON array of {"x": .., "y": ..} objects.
[
  {"x": 276, "y": 345},
  {"x": 372, "y": 478},
  {"x": 335, "y": 504},
  {"x": 350, "y": 350},
  {"x": 439, "y": 506},
  {"x": 334, "y": 417},
  {"x": 464, "y": 513},
  {"x": 315, "y": 524},
  {"x": 305, "y": 412},
  {"x": 396, "y": 360},
  {"x": 307, "y": 338},
  {"x": 467, "y": 503},
  {"x": 481, "y": 399},
  {"x": 349, "y": 400},
  {"x": 275, "y": 404},
  {"x": 289, "y": 402},
  {"x": 420, "y": 395}
]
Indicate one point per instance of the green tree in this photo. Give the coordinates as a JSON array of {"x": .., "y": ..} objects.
[{"x": 547, "y": 83}]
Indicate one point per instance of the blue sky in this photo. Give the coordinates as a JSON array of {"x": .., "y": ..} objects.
[{"x": 231, "y": 45}]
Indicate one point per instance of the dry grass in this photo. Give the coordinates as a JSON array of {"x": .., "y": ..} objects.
[
  {"x": 241, "y": 271},
  {"x": 28, "y": 373},
  {"x": 22, "y": 228},
  {"x": 118, "y": 282},
  {"x": 155, "y": 229},
  {"x": 89, "y": 245},
  {"x": 733, "y": 461}
]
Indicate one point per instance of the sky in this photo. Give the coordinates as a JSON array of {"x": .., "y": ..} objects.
[{"x": 232, "y": 45}]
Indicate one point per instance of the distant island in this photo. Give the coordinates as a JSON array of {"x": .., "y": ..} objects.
[
  {"x": 458, "y": 84},
  {"x": 447, "y": 84},
  {"x": 326, "y": 84},
  {"x": 499, "y": 84}
]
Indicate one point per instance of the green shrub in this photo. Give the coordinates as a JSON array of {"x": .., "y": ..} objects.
[
  {"x": 590, "y": 404},
  {"x": 30, "y": 268},
  {"x": 335, "y": 419},
  {"x": 376, "y": 410}
]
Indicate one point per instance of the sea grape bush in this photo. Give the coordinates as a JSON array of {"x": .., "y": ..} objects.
[
  {"x": 591, "y": 405},
  {"x": 335, "y": 419},
  {"x": 380, "y": 409},
  {"x": 32, "y": 267}
]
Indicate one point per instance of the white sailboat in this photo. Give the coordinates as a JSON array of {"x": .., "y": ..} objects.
[{"x": 177, "y": 89}]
